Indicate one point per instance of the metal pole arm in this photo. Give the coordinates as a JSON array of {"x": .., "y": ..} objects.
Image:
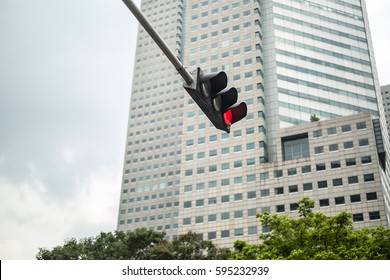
[{"x": 159, "y": 41}]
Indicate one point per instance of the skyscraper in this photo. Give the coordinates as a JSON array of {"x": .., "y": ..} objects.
[{"x": 288, "y": 60}]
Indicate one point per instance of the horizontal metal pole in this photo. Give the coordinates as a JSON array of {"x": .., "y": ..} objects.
[{"x": 159, "y": 41}]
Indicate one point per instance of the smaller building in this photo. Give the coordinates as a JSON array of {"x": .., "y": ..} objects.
[{"x": 339, "y": 163}]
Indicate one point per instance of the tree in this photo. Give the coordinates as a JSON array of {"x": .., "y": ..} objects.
[
  {"x": 186, "y": 247},
  {"x": 315, "y": 236},
  {"x": 141, "y": 244},
  {"x": 314, "y": 118},
  {"x": 105, "y": 246}
]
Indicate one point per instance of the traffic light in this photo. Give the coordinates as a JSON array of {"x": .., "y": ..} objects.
[{"x": 218, "y": 103}]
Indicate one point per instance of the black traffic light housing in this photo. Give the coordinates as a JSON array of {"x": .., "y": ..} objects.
[{"x": 218, "y": 103}]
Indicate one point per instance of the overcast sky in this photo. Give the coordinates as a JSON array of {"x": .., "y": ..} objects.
[{"x": 65, "y": 81}]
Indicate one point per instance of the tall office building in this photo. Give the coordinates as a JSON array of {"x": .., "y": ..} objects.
[{"x": 288, "y": 60}]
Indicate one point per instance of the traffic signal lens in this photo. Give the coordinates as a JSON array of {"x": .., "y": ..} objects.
[
  {"x": 205, "y": 88},
  {"x": 217, "y": 103},
  {"x": 228, "y": 117}
]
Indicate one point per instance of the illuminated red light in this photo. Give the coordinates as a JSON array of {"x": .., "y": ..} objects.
[{"x": 228, "y": 117}]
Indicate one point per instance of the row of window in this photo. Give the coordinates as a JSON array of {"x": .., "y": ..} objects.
[
  {"x": 224, "y": 8},
  {"x": 344, "y": 129},
  {"x": 278, "y": 191},
  {"x": 239, "y": 214},
  {"x": 347, "y": 145},
  {"x": 330, "y": 102},
  {"x": 252, "y": 230},
  {"x": 263, "y": 176},
  {"x": 293, "y": 207},
  {"x": 293, "y": 171}
]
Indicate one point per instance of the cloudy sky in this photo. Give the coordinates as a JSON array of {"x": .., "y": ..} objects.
[{"x": 65, "y": 80}]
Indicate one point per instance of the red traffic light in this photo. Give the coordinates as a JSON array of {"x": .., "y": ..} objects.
[
  {"x": 234, "y": 114},
  {"x": 228, "y": 117}
]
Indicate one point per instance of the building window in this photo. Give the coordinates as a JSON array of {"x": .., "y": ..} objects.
[
  {"x": 187, "y": 204},
  {"x": 224, "y": 198},
  {"x": 238, "y": 180},
  {"x": 324, "y": 202},
  {"x": 355, "y": 198},
  {"x": 335, "y": 164},
  {"x": 374, "y": 215},
  {"x": 212, "y": 235},
  {"x": 252, "y": 212},
  {"x": 212, "y": 184},
  {"x": 357, "y": 217},
  {"x": 225, "y": 233},
  {"x": 293, "y": 206},
  {"x": 350, "y": 162},
  {"x": 363, "y": 142},
  {"x": 322, "y": 184},
  {"x": 279, "y": 208},
  {"x": 264, "y": 193},
  {"x": 186, "y": 221},
  {"x": 307, "y": 186},
  {"x": 337, "y": 182},
  {"x": 199, "y": 202},
  {"x": 225, "y": 182},
  {"x": 353, "y": 180},
  {"x": 319, "y": 150},
  {"x": 237, "y": 196},
  {"x": 295, "y": 147},
  {"x": 368, "y": 177},
  {"x": 333, "y": 147},
  {"x": 212, "y": 218},
  {"x": 320, "y": 166},
  {"x": 225, "y": 216},
  {"x": 306, "y": 169},
  {"x": 251, "y": 178},
  {"x": 212, "y": 168},
  {"x": 361, "y": 125},
  {"x": 317, "y": 133},
  {"x": 252, "y": 230},
  {"x": 238, "y": 214},
  {"x": 199, "y": 219},
  {"x": 264, "y": 176},
  {"x": 366, "y": 159},
  {"x": 278, "y": 173},
  {"x": 252, "y": 195},
  {"x": 279, "y": 190},
  {"x": 332, "y": 131},
  {"x": 339, "y": 200},
  {"x": 346, "y": 128},
  {"x": 348, "y": 145},
  {"x": 291, "y": 171},
  {"x": 238, "y": 232},
  {"x": 293, "y": 188},
  {"x": 371, "y": 196}
]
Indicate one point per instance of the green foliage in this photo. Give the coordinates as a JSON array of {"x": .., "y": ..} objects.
[
  {"x": 141, "y": 244},
  {"x": 315, "y": 236},
  {"x": 186, "y": 247},
  {"x": 106, "y": 246},
  {"x": 314, "y": 118}
]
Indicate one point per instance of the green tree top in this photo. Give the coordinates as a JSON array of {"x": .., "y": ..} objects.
[
  {"x": 314, "y": 118},
  {"x": 315, "y": 236},
  {"x": 141, "y": 244}
]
